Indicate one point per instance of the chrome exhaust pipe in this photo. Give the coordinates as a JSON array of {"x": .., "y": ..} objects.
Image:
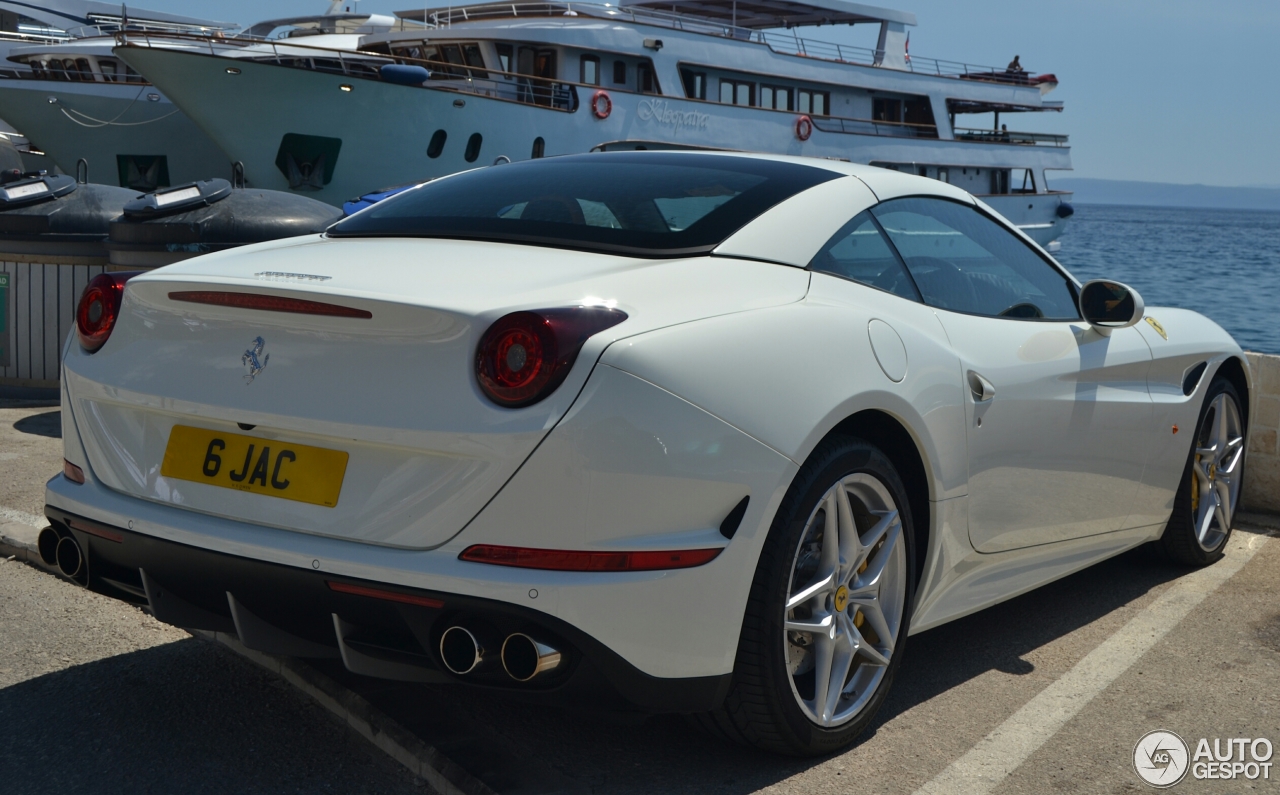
[
  {"x": 461, "y": 651},
  {"x": 524, "y": 658},
  {"x": 69, "y": 558},
  {"x": 47, "y": 544}
]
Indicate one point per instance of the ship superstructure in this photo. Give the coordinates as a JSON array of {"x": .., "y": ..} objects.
[{"x": 488, "y": 82}]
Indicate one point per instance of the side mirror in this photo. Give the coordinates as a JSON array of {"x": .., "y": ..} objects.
[{"x": 1108, "y": 305}]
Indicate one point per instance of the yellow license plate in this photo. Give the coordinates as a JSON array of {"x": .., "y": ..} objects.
[{"x": 261, "y": 466}]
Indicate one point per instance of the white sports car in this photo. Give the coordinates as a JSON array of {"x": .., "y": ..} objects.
[{"x": 689, "y": 432}]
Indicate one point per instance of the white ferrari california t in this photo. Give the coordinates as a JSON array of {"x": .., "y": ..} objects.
[{"x": 673, "y": 431}]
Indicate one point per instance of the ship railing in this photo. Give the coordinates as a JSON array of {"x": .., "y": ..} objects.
[
  {"x": 18, "y": 37},
  {"x": 510, "y": 86},
  {"x": 1009, "y": 137},
  {"x": 790, "y": 43},
  {"x": 891, "y": 129}
]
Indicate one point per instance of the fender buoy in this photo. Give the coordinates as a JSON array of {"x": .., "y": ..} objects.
[
  {"x": 601, "y": 105},
  {"x": 804, "y": 128}
]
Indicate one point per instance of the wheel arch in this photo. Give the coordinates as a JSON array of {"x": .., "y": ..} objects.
[
  {"x": 888, "y": 433},
  {"x": 1235, "y": 370}
]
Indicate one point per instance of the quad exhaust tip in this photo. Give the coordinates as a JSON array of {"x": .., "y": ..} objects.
[
  {"x": 524, "y": 658},
  {"x": 69, "y": 558},
  {"x": 47, "y": 544},
  {"x": 461, "y": 651}
]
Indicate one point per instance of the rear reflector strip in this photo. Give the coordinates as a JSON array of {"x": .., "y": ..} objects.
[
  {"x": 95, "y": 530},
  {"x": 565, "y": 560},
  {"x": 269, "y": 303},
  {"x": 378, "y": 593}
]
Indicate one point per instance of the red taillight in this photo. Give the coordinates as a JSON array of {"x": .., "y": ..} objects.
[
  {"x": 269, "y": 303},
  {"x": 570, "y": 560},
  {"x": 99, "y": 307},
  {"x": 524, "y": 356}
]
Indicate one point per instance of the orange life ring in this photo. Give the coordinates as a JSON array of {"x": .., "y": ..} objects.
[
  {"x": 804, "y": 128},
  {"x": 601, "y": 105}
]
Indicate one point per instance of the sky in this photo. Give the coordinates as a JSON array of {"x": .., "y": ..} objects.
[{"x": 1155, "y": 90}]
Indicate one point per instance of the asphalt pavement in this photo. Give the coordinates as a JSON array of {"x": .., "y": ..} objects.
[
  {"x": 98, "y": 697},
  {"x": 1048, "y": 692}
]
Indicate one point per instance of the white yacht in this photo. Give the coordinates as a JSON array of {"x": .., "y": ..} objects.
[
  {"x": 488, "y": 82},
  {"x": 80, "y": 104}
]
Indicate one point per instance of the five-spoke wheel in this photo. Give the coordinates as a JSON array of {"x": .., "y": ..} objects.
[
  {"x": 845, "y": 601},
  {"x": 1206, "y": 501},
  {"x": 829, "y": 608}
]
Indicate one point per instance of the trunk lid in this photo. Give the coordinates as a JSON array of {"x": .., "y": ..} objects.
[{"x": 394, "y": 392}]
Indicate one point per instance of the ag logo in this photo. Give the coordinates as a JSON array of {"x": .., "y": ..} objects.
[{"x": 1160, "y": 758}]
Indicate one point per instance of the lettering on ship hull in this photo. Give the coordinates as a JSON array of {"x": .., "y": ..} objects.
[{"x": 659, "y": 111}]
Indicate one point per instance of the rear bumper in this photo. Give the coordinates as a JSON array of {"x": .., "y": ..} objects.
[{"x": 285, "y": 609}]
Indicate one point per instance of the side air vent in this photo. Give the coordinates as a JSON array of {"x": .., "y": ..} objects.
[
  {"x": 730, "y": 524},
  {"x": 1191, "y": 379}
]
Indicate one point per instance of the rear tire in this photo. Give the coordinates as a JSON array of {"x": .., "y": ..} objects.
[
  {"x": 1205, "y": 504},
  {"x": 845, "y": 570}
]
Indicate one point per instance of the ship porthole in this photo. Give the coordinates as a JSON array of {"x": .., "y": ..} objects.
[
  {"x": 539, "y": 147},
  {"x": 473, "y": 148},
  {"x": 436, "y": 146}
]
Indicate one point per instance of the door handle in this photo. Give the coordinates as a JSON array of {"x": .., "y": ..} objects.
[{"x": 982, "y": 389}]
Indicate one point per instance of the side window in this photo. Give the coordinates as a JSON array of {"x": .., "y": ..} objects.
[
  {"x": 963, "y": 261},
  {"x": 859, "y": 252}
]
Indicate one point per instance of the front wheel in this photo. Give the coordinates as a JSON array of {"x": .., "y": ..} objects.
[
  {"x": 1205, "y": 504},
  {"x": 826, "y": 622}
]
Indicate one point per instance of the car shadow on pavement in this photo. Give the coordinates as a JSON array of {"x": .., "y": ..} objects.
[
  {"x": 47, "y": 424},
  {"x": 575, "y": 751},
  {"x": 184, "y": 717}
]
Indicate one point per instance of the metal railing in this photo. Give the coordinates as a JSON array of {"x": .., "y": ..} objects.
[
  {"x": 1008, "y": 137},
  {"x": 508, "y": 86},
  {"x": 892, "y": 129},
  {"x": 785, "y": 43}
]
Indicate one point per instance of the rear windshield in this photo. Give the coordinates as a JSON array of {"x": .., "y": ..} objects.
[{"x": 657, "y": 204}]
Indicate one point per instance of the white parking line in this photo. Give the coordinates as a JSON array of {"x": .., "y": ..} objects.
[
  {"x": 1001, "y": 752},
  {"x": 22, "y": 517}
]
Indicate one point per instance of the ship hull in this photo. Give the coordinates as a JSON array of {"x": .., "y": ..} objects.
[{"x": 112, "y": 127}]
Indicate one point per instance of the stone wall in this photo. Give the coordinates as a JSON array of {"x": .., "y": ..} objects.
[{"x": 1262, "y": 478}]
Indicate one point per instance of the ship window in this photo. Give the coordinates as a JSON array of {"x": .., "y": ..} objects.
[
  {"x": 737, "y": 92},
  {"x": 644, "y": 75},
  {"x": 918, "y": 110},
  {"x": 1022, "y": 180},
  {"x": 620, "y": 72},
  {"x": 505, "y": 59},
  {"x": 590, "y": 70},
  {"x": 695, "y": 84},
  {"x": 436, "y": 146},
  {"x": 775, "y": 97},
  {"x": 539, "y": 147},
  {"x": 814, "y": 102},
  {"x": 474, "y": 58},
  {"x": 473, "y": 148},
  {"x": 886, "y": 109},
  {"x": 107, "y": 66},
  {"x": 658, "y": 204}
]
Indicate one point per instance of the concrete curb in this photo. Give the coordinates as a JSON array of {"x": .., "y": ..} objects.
[{"x": 18, "y": 540}]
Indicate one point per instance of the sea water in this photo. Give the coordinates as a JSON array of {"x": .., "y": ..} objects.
[{"x": 1224, "y": 264}]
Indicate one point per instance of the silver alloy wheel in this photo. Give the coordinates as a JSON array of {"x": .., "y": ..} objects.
[
  {"x": 1216, "y": 471},
  {"x": 845, "y": 600}
]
